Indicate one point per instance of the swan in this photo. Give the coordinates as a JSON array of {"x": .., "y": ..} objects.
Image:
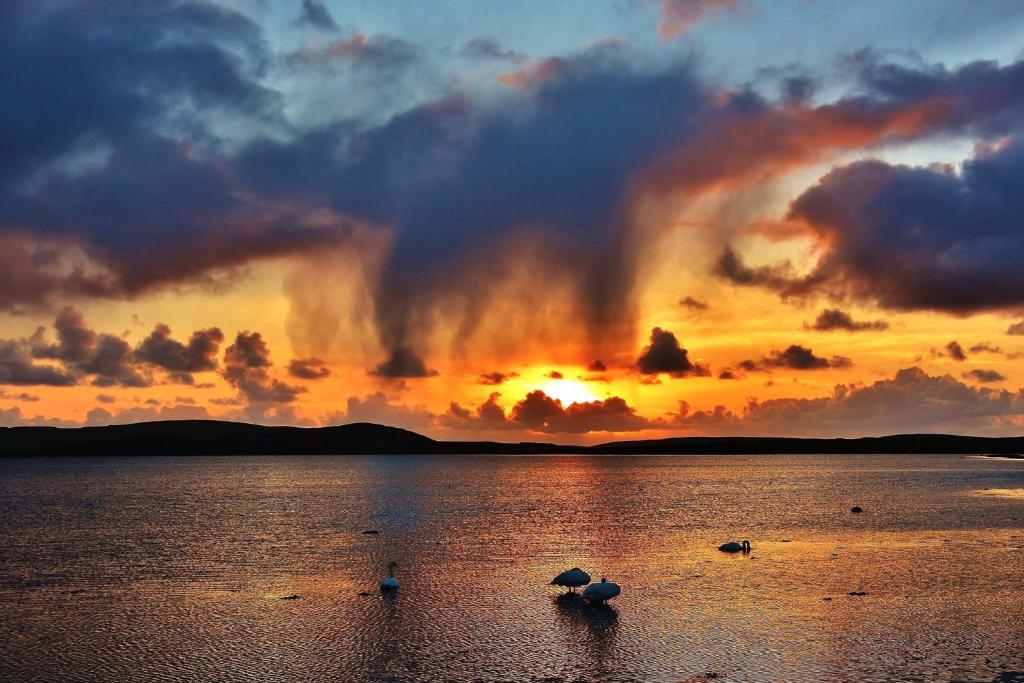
[
  {"x": 571, "y": 579},
  {"x": 734, "y": 547},
  {"x": 390, "y": 582},
  {"x": 600, "y": 592}
]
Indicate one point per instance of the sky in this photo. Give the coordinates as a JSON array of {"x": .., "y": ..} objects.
[{"x": 575, "y": 222}]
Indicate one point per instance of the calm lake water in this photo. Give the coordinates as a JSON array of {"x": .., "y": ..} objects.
[{"x": 174, "y": 569}]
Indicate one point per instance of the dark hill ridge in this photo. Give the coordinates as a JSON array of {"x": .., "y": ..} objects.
[{"x": 212, "y": 437}]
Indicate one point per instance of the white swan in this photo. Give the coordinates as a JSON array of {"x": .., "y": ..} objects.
[
  {"x": 600, "y": 592},
  {"x": 390, "y": 583},
  {"x": 734, "y": 547},
  {"x": 571, "y": 579}
]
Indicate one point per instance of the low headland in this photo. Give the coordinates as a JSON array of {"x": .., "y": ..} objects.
[{"x": 212, "y": 437}]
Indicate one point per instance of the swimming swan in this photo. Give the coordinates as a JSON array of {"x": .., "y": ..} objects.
[
  {"x": 571, "y": 579},
  {"x": 734, "y": 547},
  {"x": 390, "y": 583},
  {"x": 600, "y": 592}
]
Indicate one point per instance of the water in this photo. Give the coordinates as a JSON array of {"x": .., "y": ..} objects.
[{"x": 173, "y": 569}]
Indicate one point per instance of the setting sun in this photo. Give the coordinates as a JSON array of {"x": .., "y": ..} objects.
[{"x": 568, "y": 391}]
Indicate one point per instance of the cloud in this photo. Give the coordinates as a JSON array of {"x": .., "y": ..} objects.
[
  {"x": 597, "y": 366},
  {"x": 693, "y": 304},
  {"x": 105, "y": 398},
  {"x": 835, "y": 319},
  {"x": 488, "y": 48},
  {"x": 17, "y": 368},
  {"x": 555, "y": 374},
  {"x": 21, "y": 396},
  {"x": 911, "y": 238},
  {"x": 84, "y": 352},
  {"x": 539, "y": 412},
  {"x": 403, "y": 363},
  {"x": 955, "y": 351},
  {"x": 308, "y": 368},
  {"x": 316, "y": 15},
  {"x": 680, "y": 16},
  {"x": 496, "y": 378},
  {"x": 180, "y": 360},
  {"x": 664, "y": 355},
  {"x": 378, "y": 409},
  {"x": 246, "y": 364},
  {"x": 984, "y": 376},
  {"x": 794, "y": 357},
  {"x": 910, "y": 401},
  {"x": 1016, "y": 329},
  {"x": 379, "y": 54}
]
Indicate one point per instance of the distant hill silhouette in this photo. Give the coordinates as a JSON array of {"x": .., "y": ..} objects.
[{"x": 212, "y": 437}]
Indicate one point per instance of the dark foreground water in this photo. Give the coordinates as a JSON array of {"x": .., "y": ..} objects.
[{"x": 174, "y": 568}]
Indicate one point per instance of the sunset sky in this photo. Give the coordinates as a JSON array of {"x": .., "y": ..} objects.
[{"x": 575, "y": 221}]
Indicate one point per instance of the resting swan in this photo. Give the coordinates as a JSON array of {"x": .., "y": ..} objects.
[
  {"x": 734, "y": 547},
  {"x": 600, "y": 592},
  {"x": 390, "y": 582},
  {"x": 571, "y": 579}
]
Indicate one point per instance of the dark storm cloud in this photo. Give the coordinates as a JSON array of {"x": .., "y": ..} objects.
[
  {"x": 917, "y": 238},
  {"x": 664, "y": 355},
  {"x": 835, "y": 319},
  {"x": 308, "y": 368},
  {"x": 178, "y": 359},
  {"x": 109, "y": 106},
  {"x": 403, "y": 363},
  {"x": 246, "y": 364},
  {"x": 984, "y": 376},
  {"x": 315, "y": 14}
]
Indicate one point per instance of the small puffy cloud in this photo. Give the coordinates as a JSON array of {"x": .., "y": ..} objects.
[
  {"x": 308, "y": 368},
  {"x": 105, "y": 398},
  {"x": 597, "y": 366},
  {"x": 984, "y": 376},
  {"x": 403, "y": 363},
  {"x": 488, "y": 48},
  {"x": 693, "y": 304},
  {"x": 315, "y": 14},
  {"x": 955, "y": 351},
  {"x": 496, "y": 378},
  {"x": 793, "y": 357},
  {"x": 246, "y": 364},
  {"x": 180, "y": 360},
  {"x": 835, "y": 319},
  {"x": 555, "y": 374},
  {"x": 664, "y": 355},
  {"x": 680, "y": 16},
  {"x": 1016, "y": 329}
]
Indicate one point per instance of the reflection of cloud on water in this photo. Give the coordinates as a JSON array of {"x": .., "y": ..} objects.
[{"x": 594, "y": 627}]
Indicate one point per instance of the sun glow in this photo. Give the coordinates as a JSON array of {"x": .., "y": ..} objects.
[{"x": 568, "y": 391}]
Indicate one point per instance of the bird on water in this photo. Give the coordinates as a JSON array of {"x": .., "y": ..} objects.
[
  {"x": 571, "y": 579},
  {"x": 390, "y": 583},
  {"x": 734, "y": 547},
  {"x": 601, "y": 592}
]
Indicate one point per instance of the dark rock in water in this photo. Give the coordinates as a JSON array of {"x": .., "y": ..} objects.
[
  {"x": 365, "y": 594},
  {"x": 371, "y": 532},
  {"x": 289, "y": 597},
  {"x": 856, "y": 509},
  {"x": 1009, "y": 677},
  {"x": 857, "y": 593}
]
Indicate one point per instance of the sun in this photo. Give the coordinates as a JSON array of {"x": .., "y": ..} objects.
[{"x": 568, "y": 391}]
